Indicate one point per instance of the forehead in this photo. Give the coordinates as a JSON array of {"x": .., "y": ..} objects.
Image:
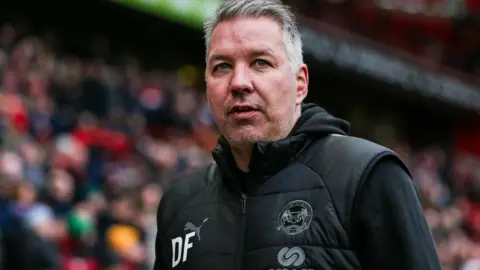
[{"x": 243, "y": 35}]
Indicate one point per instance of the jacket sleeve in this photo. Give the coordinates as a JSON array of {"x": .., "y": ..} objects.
[{"x": 392, "y": 232}]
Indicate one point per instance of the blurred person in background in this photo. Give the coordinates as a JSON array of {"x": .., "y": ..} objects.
[
  {"x": 149, "y": 198},
  {"x": 121, "y": 235},
  {"x": 32, "y": 234},
  {"x": 59, "y": 193},
  {"x": 285, "y": 171}
]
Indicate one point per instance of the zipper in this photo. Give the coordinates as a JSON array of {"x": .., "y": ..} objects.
[
  {"x": 241, "y": 233},
  {"x": 244, "y": 204}
]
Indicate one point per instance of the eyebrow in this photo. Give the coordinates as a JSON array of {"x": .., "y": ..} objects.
[
  {"x": 259, "y": 53},
  {"x": 220, "y": 57},
  {"x": 253, "y": 54}
]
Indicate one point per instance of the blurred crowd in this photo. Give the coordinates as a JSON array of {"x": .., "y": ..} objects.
[
  {"x": 87, "y": 148},
  {"x": 443, "y": 32},
  {"x": 451, "y": 200}
]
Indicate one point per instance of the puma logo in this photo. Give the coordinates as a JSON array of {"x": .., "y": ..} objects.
[{"x": 189, "y": 226}]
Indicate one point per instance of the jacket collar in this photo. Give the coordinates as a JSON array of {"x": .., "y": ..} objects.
[{"x": 268, "y": 158}]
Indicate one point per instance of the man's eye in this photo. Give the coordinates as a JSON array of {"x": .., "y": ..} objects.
[
  {"x": 261, "y": 63},
  {"x": 222, "y": 66}
]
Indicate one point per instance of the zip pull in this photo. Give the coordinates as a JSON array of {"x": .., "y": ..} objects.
[{"x": 244, "y": 204}]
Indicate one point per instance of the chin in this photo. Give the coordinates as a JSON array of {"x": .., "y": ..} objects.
[{"x": 244, "y": 136}]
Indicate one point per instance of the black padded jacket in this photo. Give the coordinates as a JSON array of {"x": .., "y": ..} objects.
[{"x": 318, "y": 199}]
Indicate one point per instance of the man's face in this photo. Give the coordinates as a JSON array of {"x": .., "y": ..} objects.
[{"x": 250, "y": 85}]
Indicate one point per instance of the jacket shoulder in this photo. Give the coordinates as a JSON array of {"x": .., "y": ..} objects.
[
  {"x": 343, "y": 163},
  {"x": 179, "y": 192},
  {"x": 346, "y": 145},
  {"x": 345, "y": 152}
]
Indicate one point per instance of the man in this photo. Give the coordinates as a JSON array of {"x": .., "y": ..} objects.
[{"x": 290, "y": 189}]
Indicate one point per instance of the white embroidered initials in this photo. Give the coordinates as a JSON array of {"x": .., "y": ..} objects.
[{"x": 180, "y": 248}]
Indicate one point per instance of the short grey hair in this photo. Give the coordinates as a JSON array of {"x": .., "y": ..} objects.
[{"x": 273, "y": 9}]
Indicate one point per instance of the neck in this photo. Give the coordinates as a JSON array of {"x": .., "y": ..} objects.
[{"x": 242, "y": 155}]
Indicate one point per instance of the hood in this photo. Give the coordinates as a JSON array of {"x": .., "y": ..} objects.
[{"x": 317, "y": 122}]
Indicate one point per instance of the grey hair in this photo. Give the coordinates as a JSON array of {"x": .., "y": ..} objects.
[{"x": 272, "y": 9}]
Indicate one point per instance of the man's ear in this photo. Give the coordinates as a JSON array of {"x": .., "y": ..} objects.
[{"x": 302, "y": 84}]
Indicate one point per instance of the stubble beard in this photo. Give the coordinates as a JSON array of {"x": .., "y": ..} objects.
[
  {"x": 243, "y": 133},
  {"x": 251, "y": 133}
]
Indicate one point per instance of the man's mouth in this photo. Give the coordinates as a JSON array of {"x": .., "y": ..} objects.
[
  {"x": 242, "y": 109},
  {"x": 243, "y": 112}
]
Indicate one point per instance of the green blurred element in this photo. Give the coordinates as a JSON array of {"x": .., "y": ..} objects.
[
  {"x": 189, "y": 12},
  {"x": 78, "y": 225}
]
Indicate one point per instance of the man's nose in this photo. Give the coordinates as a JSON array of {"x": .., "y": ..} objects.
[{"x": 241, "y": 81}]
